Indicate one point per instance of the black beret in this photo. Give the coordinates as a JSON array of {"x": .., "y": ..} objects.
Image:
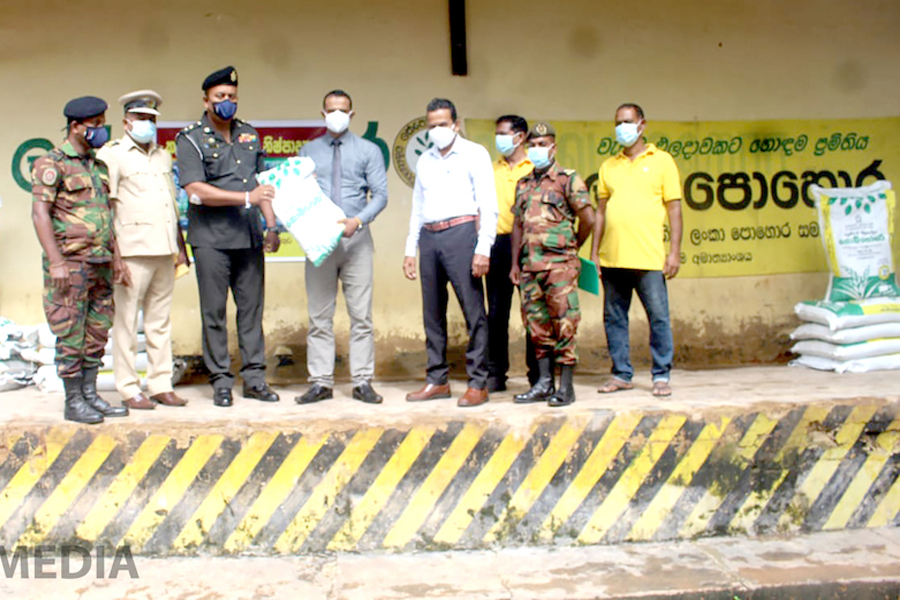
[
  {"x": 226, "y": 76},
  {"x": 84, "y": 108}
]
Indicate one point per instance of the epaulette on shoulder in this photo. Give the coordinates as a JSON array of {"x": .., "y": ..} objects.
[
  {"x": 114, "y": 143},
  {"x": 190, "y": 128},
  {"x": 570, "y": 172}
]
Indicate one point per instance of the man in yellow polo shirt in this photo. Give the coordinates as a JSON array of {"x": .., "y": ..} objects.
[
  {"x": 512, "y": 165},
  {"x": 636, "y": 190}
]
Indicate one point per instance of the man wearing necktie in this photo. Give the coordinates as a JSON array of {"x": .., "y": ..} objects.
[{"x": 350, "y": 171}]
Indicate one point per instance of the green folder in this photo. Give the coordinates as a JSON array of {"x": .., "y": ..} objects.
[{"x": 589, "y": 280}]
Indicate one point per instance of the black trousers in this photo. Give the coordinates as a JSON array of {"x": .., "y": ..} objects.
[
  {"x": 499, "y": 300},
  {"x": 243, "y": 271},
  {"x": 446, "y": 257}
]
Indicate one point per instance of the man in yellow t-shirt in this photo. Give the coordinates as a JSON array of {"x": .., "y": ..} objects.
[
  {"x": 636, "y": 190},
  {"x": 513, "y": 164}
]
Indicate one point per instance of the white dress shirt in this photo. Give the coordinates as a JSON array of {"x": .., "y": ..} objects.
[{"x": 458, "y": 184}]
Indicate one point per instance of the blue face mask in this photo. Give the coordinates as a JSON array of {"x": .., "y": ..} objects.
[
  {"x": 96, "y": 136},
  {"x": 225, "y": 109},
  {"x": 539, "y": 157},
  {"x": 505, "y": 144},
  {"x": 143, "y": 132}
]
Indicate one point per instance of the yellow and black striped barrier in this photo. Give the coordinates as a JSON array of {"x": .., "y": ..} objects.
[{"x": 587, "y": 478}]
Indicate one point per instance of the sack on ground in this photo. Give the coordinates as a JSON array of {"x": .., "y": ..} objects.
[
  {"x": 857, "y": 225},
  {"x": 303, "y": 209},
  {"x": 859, "y": 365},
  {"x": 842, "y": 315},
  {"x": 852, "y": 335},
  {"x": 847, "y": 351}
]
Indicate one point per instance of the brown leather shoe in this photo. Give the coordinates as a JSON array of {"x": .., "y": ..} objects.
[
  {"x": 473, "y": 397},
  {"x": 431, "y": 391},
  {"x": 169, "y": 399},
  {"x": 139, "y": 402}
]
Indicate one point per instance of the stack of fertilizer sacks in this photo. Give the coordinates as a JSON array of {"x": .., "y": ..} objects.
[
  {"x": 27, "y": 356},
  {"x": 856, "y": 328}
]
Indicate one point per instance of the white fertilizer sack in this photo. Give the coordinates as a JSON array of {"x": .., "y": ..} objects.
[
  {"x": 842, "y": 315},
  {"x": 847, "y": 351},
  {"x": 860, "y": 365},
  {"x": 853, "y": 335},
  {"x": 857, "y": 225},
  {"x": 303, "y": 209}
]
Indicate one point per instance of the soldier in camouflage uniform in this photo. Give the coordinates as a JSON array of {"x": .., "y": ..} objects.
[
  {"x": 546, "y": 264},
  {"x": 72, "y": 218}
]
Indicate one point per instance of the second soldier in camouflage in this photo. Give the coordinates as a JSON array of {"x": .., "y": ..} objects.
[
  {"x": 72, "y": 218},
  {"x": 546, "y": 264}
]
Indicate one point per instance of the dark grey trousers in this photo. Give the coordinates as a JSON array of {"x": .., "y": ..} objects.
[{"x": 446, "y": 257}]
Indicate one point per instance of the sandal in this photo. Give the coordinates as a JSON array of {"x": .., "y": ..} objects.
[
  {"x": 614, "y": 385},
  {"x": 661, "y": 389}
]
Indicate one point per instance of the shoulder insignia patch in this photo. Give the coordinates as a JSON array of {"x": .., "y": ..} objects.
[{"x": 49, "y": 176}]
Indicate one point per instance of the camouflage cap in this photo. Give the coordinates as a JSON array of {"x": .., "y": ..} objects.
[
  {"x": 226, "y": 76},
  {"x": 542, "y": 129}
]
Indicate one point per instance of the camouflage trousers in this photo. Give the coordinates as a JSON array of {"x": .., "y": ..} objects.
[
  {"x": 81, "y": 317},
  {"x": 551, "y": 312}
]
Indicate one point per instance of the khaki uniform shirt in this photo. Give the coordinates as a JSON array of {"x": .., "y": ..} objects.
[{"x": 143, "y": 198}]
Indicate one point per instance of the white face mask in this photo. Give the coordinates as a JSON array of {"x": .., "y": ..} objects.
[
  {"x": 627, "y": 134},
  {"x": 142, "y": 131},
  {"x": 442, "y": 136},
  {"x": 337, "y": 121}
]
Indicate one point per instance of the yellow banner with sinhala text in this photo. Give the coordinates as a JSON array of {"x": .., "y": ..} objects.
[{"x": 747, "y": 206}]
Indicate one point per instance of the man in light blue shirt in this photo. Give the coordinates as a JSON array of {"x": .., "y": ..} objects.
[{"x": 350, "y": 171}]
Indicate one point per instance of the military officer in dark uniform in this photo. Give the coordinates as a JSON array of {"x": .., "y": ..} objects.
[
  {"x": 218, "y": 159},
  {"x": 72, "y": 218}
]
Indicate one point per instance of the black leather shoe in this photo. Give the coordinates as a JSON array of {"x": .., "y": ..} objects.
[
  {"x": 544, "y": 388},
  {"x": 260, "y": 391},
  {"x": 222, "y": 397},
  {"x": 365, "y": 393},
  {"x": 89, "y": 391},
  {"x": 565, "y": 395},
  {"x": 77, "y": 409},
  {"x": 316, "y": 393}
]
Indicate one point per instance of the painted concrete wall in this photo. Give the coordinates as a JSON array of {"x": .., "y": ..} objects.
[{"x": 569, "y": 60}]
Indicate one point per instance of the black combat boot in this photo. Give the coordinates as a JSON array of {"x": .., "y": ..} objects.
[
  {"x": 565, "y": 395},
  {"x": 77, "y": 408},
  {"x": 543, "y": 388},
  {"x": 89, "y": 391}
]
